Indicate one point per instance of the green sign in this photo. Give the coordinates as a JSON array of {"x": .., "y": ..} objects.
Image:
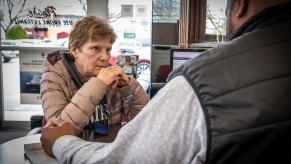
[{"x": 129, "y": 35}]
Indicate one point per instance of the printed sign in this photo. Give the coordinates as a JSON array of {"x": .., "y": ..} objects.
[
  {"x": 31, "y": 63},
  {"x": 45, "y": 20}
]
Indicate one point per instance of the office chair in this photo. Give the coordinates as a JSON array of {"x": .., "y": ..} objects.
[{"x": 162, "y": 73}]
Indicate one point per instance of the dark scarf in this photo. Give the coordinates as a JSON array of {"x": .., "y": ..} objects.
[
  {"x": 267, "y": 17},
  {"x": 68, "y": 61}
]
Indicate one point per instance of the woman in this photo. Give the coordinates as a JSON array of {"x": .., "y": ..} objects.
[{"x": 80, "y": 86}]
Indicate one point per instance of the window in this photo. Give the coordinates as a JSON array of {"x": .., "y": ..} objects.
[
  {"x": 145, "y": 23},
  {"x": 133, "y": 32},
  {"x": 28, "y": 33},
  {"x": 166, "y": 10},
  {"x": 165, "y": 34},
  {"x": 215, "y": 20},
  {"x": 141, "y": 11},
  {"x": 126, "y": 10},
  {"x": 165, "y": 20}
]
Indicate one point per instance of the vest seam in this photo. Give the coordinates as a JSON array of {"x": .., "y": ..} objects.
[
  {"x": 250, "y": 128},
  {"x": 251, "y": 84},
  {"x": 235, "y": 54},
  {"x": 207, "y": 120}
]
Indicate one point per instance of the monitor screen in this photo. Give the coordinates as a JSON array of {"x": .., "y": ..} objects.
[{"x": 180, "y": 56}]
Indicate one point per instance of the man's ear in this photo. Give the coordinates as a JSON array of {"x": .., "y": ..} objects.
[
  {"x": 74, "y": 53},
  {"x": 240, "y": 8}
]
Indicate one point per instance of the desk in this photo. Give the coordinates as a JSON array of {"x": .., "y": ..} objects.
[{"x": 12, "y": 152}]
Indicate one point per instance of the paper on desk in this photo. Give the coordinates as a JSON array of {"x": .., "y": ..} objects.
[{"x": 36, "y": 154}]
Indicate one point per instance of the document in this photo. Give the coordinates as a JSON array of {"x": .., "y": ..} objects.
[{"x": 36, "y": 154}]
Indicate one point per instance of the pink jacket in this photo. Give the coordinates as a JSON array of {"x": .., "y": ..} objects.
[{"x": 62, "y": 99}]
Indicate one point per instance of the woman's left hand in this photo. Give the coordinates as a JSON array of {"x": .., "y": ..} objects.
[{"x": 122, "y": 79}]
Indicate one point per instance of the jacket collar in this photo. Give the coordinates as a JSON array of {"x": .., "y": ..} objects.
[{"x": 267, "y": 17}]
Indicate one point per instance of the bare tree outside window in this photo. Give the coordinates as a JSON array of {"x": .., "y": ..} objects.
[
  {"x": 83, "y": 3},
  {"x": 14, "y": 9},
  {"x": 219, "y": 23},
  {"x": 166, "y": 10},
  {"x": 216, "y": 20}
]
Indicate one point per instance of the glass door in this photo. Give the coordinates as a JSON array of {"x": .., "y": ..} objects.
[
  {"x": 30, "y": 30},
  {"x": 131, "y": 21}
]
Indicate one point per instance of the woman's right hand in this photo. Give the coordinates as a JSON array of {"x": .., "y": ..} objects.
[{"x": 109, "y": 75}]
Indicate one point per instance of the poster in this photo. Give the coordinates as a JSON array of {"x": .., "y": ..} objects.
[
  {"x": 31, "y": 63},
  {"x": 48, "y": 19}
]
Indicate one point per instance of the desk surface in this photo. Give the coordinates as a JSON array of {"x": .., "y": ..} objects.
[{"x": 13, "y": 151}]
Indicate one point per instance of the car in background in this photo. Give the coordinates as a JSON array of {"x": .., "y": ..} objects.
[
  {"x": 142, "y": 64},
  {"x": 7, "y": 55},
  {"x": 140, "y": 47},
  {"x": 34, "y": 43}
]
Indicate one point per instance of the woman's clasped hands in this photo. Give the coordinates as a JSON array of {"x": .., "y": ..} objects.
[{"x": 113, "y": 76}]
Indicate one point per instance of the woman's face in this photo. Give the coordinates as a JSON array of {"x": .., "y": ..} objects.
[{"x": 92, "y": 57}]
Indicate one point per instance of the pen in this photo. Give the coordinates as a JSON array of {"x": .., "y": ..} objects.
[
  {"x": 129, "y": 88},
  {"x": 126, "y": 83}
]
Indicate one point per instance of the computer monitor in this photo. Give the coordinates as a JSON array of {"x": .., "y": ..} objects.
[
  {"x": 180, "y": 56},
  {"x": 171, "y": 59}
]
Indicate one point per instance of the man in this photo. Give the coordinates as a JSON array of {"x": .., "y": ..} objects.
[{"x": 230, "y": 105}]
